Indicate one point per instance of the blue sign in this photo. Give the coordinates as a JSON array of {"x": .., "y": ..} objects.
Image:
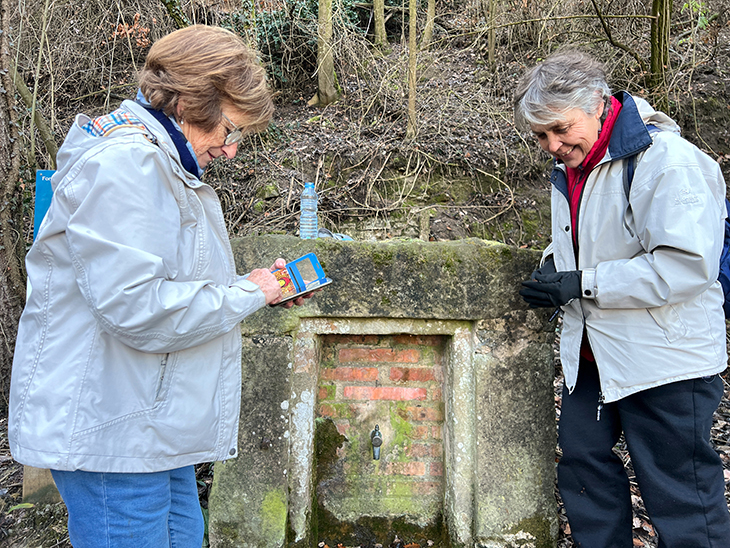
[{"x": 43, "y": 195}]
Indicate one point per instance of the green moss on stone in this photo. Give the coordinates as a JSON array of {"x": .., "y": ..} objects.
[
  {"x": 329, "y": 392},
  {"x": 273, "y": 517},
  {"x": 342, "y": 411},
  {"x": 326, "y": 442},
  {"x": 540, "y": 528},
  {"x": 382, "y": 257},
  {"x": 402, "y": 428},
  {"x": 227, "y": 531},
  {"x": 267, "y": 191}
]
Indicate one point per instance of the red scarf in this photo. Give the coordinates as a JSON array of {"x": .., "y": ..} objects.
[
  {"x": 577, "y": 176},
  {"x": 576, "y": 181}
]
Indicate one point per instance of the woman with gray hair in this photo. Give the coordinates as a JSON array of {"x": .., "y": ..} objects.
[
  {"x": 127, "y": 368},
  {"x": 637, "y": 225}
]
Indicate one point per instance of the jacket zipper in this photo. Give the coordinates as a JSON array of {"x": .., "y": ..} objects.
[
  {"x": 581, "y": 182},
  {"x": 601, "y": 400},
  {"x": 582, "y": 177},
  {"x": 163, "y": 370}
]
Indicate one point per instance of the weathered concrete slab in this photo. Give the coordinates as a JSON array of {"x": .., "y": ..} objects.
[
  {"x": 498, "y": 421},
  {"x": 459, "y": 280},
  {"x": 515, "y": 428},
  {"x": 250, "y": 492}
]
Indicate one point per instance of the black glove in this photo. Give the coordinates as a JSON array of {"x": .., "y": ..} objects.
[
  {"x": 548, "y": 267},
  {"x": 552, "y": 290}
]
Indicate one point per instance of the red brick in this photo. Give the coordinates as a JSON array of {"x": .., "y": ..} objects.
[
  {"x": 326, "y": 393},
  {"x": 411, "y": 355},
  {"x": 437, "y": 394},
  {"x": 419, "y": 432},
  {"x": 393, "y": 393},
  {"x": 437, "y": 432},
  {"x": 436, "y": 468},
  {"x": 350, "y": 374},
  {"x": 327, "y": 410},
  {"x": 419, "y": 413},
  {"x": 406, "y": 468},
  {"x": 426, "y": 488},
  {"x": 415, "y": 374},
  {"x": 422, "y": 450},
  {"x": 344, "y": 427}
]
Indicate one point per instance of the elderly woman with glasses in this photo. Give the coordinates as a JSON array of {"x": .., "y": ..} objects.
[
  {"x": 637, "y": 230},
  {"x": 127, "y": 367}
]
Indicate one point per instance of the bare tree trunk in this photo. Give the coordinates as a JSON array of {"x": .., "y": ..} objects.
[
  {"x": 491, "y": 18},
  {"x": 662, "y": 10},
  {"x": 326, "y": 90},
  {"x": 41, "y": 124},
  {"x": 174, "y": 9},
  {"x": 12, "y": 246},
  {"x": 430, "y": 20},
  {"x": 412, "y": 128},
  {"x": 380, "y": 37}
]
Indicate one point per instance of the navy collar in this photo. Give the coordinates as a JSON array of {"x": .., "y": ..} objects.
[
  {"x": 178, "y": 139},
  {"x": 629, "y": 135}
]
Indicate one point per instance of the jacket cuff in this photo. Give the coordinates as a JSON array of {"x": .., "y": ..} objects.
[
  {"x": 246, "y": 285},
  {"x": 588, "y": 284}
]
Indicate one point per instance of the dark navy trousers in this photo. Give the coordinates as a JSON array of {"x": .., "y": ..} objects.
[{"x": 667, "y": 431}]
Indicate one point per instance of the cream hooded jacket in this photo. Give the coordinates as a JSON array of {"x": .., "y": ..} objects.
[
  {"x": 128, "y": 352},
  {"x": 651, "y": 303}
]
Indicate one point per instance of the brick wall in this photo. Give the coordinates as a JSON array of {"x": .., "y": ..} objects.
[{"x": 394, "y": 381}]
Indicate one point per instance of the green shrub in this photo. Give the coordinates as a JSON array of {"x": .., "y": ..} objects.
[{"x": 286, "y": 35}]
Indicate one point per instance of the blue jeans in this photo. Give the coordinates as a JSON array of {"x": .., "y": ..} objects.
[{"x": 153, "y": 510}]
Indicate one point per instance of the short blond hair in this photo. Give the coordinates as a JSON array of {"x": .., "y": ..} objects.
[{"x": 206, "y": 67}]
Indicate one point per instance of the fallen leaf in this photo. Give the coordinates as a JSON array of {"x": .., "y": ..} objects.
[{"x": 21, "y": 506}]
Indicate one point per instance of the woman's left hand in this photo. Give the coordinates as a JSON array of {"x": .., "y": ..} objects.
[{"x": 553, "y": 289}]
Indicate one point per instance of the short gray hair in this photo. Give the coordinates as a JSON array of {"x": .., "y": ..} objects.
[{"x": 564, "y": 81}]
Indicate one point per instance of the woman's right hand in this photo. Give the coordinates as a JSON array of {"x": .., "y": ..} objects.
[{"x": 268, "y": 283}]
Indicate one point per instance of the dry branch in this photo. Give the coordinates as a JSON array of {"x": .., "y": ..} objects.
[
  {"x": 615, "y": 43},
  {"x": 44, "y": 131}
]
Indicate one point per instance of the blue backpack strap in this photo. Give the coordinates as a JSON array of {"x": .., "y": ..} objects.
[
  {"x": 724, "y": 274},
  {"x": 629, "y": 166}
]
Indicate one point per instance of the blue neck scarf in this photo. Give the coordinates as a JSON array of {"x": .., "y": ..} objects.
[{"x": 178, "y": 139}]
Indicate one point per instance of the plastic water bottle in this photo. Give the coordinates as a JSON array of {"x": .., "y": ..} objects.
[{"x": 308, "y": 218}]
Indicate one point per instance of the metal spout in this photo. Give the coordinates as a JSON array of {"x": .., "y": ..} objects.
[{"x": 376, "y": 438}]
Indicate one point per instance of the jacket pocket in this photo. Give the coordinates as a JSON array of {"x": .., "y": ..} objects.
[
  {"x": 667, "y": 317},
  {"x": 164, "y": 379}
]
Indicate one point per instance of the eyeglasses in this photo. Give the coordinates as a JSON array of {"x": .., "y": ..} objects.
[{"x": 235, "y": 135}]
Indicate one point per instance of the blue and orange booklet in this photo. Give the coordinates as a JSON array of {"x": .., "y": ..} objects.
[{"x": 301, "y": 277}]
